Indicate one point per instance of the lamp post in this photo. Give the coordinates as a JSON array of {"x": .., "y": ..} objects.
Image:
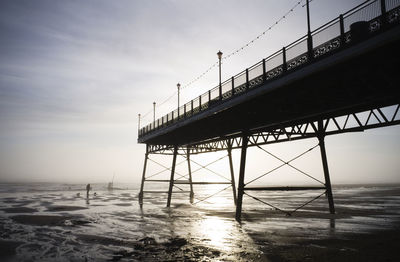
[
  {"x": 309, "y": 37},
  {"x": 220, "y": 86},
  {"x": 179, "y": 89},
  {"x": 139, "y": 122},
  {"x": 154, "y": 112},
  {"x": 308, "y": 17}
]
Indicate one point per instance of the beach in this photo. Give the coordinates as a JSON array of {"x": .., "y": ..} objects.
[{"x": 51, "y": 222}]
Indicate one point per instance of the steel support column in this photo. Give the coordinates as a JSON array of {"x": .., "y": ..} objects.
[
  {"x": 241, "y": 177},
  {"x": 143, "y": 177},
  {"x": 191, "y": 197},
  {"x": 232, "y": 173},
  {"x": 171, "y": 180},
  {"x": 321, "y": 138}
]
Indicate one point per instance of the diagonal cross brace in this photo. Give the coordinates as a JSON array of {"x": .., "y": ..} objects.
[
  {"x": 205, "y": 167},
  {"x": 288, "y": 213},
  {"x": 286, "y": 163}
]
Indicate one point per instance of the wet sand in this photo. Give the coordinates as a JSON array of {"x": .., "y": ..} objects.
[
  {"x": 375, "y": 246},
  {"x": 57, "y": 226}
]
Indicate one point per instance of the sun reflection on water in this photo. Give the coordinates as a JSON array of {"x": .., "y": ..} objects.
[
  {"x": 217, "y": 232},
  {"x": 221, "y": 199}
]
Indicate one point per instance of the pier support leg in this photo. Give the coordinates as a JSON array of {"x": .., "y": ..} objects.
[
  {"x": 321, "y": 138},
  {"x": 232, "y": 173},
  {"x": 143, "y": 177},
  {"x": 241, "y": 178},
  {"x": 171, "y": 180},
  {"x": 191, "y": 197}
]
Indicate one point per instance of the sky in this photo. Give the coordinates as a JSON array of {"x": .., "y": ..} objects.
[{"x": 74, "y": 75}]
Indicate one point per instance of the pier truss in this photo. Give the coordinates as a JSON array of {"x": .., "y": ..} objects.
[{"x": 376, "y": 117}]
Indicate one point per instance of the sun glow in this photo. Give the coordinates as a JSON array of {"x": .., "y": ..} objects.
[{"x": 217, "y": 232}]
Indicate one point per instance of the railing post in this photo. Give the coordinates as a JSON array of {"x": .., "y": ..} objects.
[
  {"x": 383, "y": 12},
  {"x": 191, "y": 105},
  {"x": 233, "y": 86},
  {"x": 264, "y": 71},
  {"x": 209, "y": 97},
  {"x": 162, "y": 121},
  {"x": 383, "y": 7},
  {"x": 199, "y": 103},
  {"x": 310, "y": 47},
  {"x": 247, "y": 79},
  {"x": 167, "y": 119},
  {"x": 184, "y": 111},
  {"x": 172, "y": 116},
  {"x": 284, "y": 65},
  {"x": 342, "y": 36},
  {"x": 158, "y": 123}
]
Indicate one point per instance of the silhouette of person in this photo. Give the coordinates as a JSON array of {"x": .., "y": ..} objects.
[{"x": 87, "y": 190}]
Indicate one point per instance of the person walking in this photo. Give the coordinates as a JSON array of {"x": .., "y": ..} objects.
[{"x": 87, "y": 190}]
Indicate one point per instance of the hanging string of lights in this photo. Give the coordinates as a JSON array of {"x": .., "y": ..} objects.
[
  {"x": 159, "y": 105},
  {"x": 247, "y": 44},
  {"x": 240, "y": 49}
]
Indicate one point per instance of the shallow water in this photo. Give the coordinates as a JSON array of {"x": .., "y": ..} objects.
[{"x": 52, "y": 222}]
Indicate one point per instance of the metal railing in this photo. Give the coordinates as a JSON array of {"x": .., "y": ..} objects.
[{"x": 325, "y": 40}]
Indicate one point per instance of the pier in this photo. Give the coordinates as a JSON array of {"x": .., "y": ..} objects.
[{"x": 341, "y": 77}]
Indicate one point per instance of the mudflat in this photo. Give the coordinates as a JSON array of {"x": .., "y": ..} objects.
[{"x": 111, "y": 227}]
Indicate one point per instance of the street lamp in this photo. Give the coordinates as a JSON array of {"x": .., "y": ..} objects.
[
  {"x": 309, "y": 37},
  {"x": 220, "y": 86},
  {"x": 179, "y": 89},
  {"x": 154, "y": 112},
  {"x": 139, "y": 122}
]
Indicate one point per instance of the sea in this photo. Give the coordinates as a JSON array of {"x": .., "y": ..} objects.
[{"x": 58, "y": 222}]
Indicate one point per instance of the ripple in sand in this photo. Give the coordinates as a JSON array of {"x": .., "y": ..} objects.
[
  {"x": 49, "y": 220},
  {"x": 39, "y": 220},
  {"x": 19, "y": 210},
  {"x": 123, "y": 204},
  {"x": 64, "y": 208}
]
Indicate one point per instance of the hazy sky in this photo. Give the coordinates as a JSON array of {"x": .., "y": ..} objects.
[{"x": 75, "y": 74}]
